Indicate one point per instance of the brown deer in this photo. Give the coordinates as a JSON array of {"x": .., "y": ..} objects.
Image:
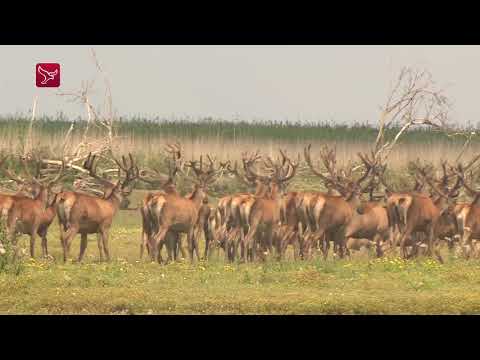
[
  {"x": 264, "y": 213},
  {"x": 89, "y": 214},
  {"x": 167, "y": 184},
  {"x": 7, "y": 199},
  {"x": 33, "y": 216},
  {"x": 468, "y": 216},
  {"x": 419, "y": 214},
  {"x": 180, "y": 214},
  {"x": 232, "y": 211},
  {"x": 332, "y": 213},
  {"x": 444, "y": 197},
  {"x": 414, "y": 212}
]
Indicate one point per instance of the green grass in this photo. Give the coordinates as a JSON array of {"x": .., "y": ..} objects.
[{"x": 126, "y": 285}]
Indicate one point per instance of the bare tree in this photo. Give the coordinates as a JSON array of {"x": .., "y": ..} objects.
[{"x": 414, "y": 100}]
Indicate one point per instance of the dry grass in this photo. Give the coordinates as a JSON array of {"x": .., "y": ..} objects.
[{"x": 148, "y": 149}]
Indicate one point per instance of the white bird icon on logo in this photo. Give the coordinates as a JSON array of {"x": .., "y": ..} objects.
[{"x": 48, "y": 75}]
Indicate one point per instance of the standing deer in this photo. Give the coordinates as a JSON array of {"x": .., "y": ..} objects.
[
  {"x": 167, "y": 184},
  {"x": 468, "y": 216},
  {"x": 180, "y": 214},
  {"x": 332, "y": 213},
  {"x": 33, "y": 216},
  {"x": 264, "y": 213},
  {"x": 233, "y": 211},
  {"x": 89, "y": 214}
]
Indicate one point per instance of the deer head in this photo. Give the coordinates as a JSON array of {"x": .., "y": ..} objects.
[
  {"x": 174, "y": 162},
  {"x": 343, "y": 180},
  {"x": 38, "y": 184},
  {"x": 127, "y": 171},
  {"x": 205, "y": 175},
  {"x": 278, "y": 172}
]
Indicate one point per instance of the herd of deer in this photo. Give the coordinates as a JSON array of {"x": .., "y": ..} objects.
[{"x": 252, "y": 225}]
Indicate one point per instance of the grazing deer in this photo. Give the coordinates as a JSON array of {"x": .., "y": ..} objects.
[
  {"x": 180, "y": 214},
  {"x": 89, "y": 214},
  {"x": 33, "y": 216}
]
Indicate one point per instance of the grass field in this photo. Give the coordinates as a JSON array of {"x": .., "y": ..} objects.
[
  {"x": 362, "y": 285},
  {"x": 126, "y": 285}
]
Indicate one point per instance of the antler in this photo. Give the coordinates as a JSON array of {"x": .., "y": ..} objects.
[
  {"x": 91, "y": 167},
  {"x": 205, "y": 177},
  {"x": 328, "y": 181}
]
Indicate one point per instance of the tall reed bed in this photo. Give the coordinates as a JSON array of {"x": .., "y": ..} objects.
[{"x": 227, "y": 140}]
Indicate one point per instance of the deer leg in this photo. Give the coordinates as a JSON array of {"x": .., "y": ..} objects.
[
  {"x": 44, "y": 245},
  {"x": 403, "y": 242},
  {"x": 466, "y": 241},
  {"x": 83, "y": 246},
  {"x": 170, "y": 243},
  {"x": 100, "y": 247},
  {"x": 248, "y": 240},
  {"x": 69, "y": 236},
  {"x": 196, "y": 240},
  {"x": 180, "y": 246},
  {"x": 32, "y": 244},
  {"x": 281, "y": 244},
  {"x": 190, "y": 242},
  {"x": 104, "y": 235},
  {"x": 143, "y": 243},
  {"x": 227, "y": 243},
  {"x": 157, "y": 240},
  {"x": 207, "y": 245},
  {"x": 378, "y": 245}
]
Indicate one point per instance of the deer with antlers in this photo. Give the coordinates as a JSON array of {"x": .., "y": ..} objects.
[
  {"x": 90, "y": 214},
  {"x": 444, "y": 196},
  {"x": 179, "y": 214},
  {"x": 33, "y": 216},
  {"x": 332, "y": 213},
  {"x": 174, "y": 161},
  {"x": 8, "y": 198},
  {"x": 413, "y": 212},
  {"x": 233, "y": 210},
  {"x": 467, "y": 214},
  {"x": 264, "y": 214}
]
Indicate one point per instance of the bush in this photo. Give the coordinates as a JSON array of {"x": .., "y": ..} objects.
[{"x": 10, "y": 262}]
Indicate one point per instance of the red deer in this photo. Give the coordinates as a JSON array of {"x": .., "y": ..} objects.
[
  {"x": 33, "y": 216},
  {"x": 468, "y": 216},
  {"x": 233, "y": 210},
  {"x": 331, "y": 214},
  {"x": 167, "y": 184},
  {"x": 7, "y": 200},
  {"x": 419, "y": 213},
  {"x": 89, "y": 214},
  {"x": 264, "y": 214},
  {"x": 180, "y": 214}
]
